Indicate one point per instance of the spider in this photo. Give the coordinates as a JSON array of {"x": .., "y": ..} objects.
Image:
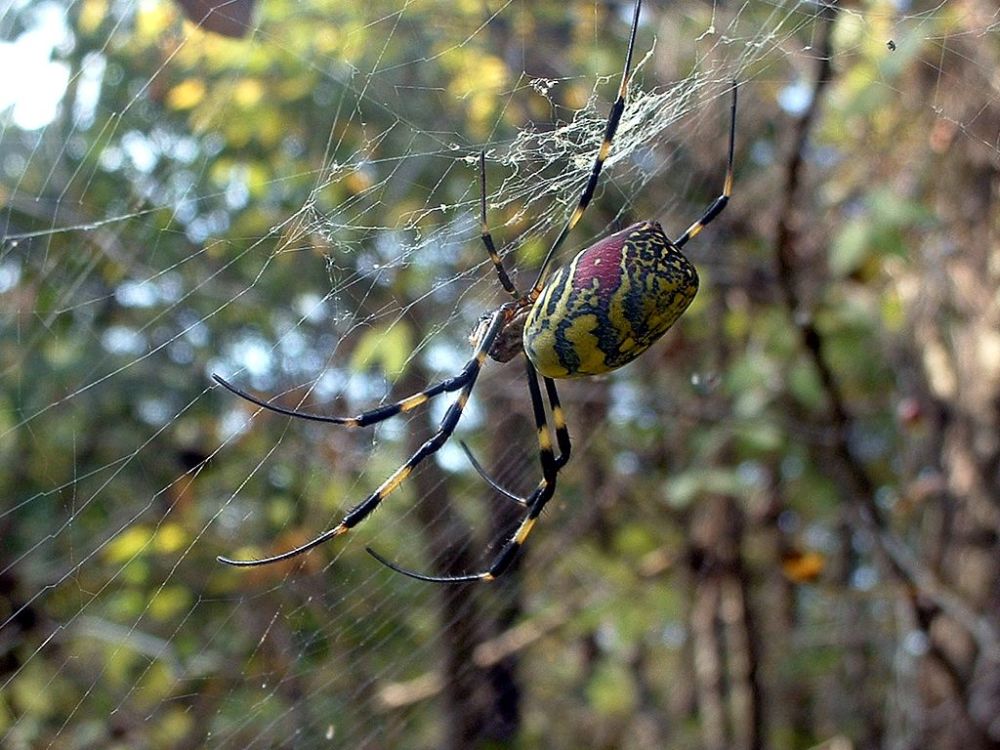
[{"x": 599, "y": 312}]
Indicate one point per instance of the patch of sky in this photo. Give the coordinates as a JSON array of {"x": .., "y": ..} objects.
[
  {"x": 123, "y": 340},
  {"x": 140, "y": 151},
  {"x": 154, "y": 411},
  {"x": 88, "y": 89},
  {"x": 673, "y": 635},
  {"x": 136, "y": 294},
  {"x": 311, "y": 307},
  {"x": 330, "y": 383},
  {"x": 10, "y": 275},
  {"x": 864, "y": 578},
  {"x": 819, "y": 537},
  {"x": 625, "y": 400},
  {"x": 443, "y": 358},
  {"x": 14, "y": 165},
  {"x": 752, "y": 474},
  {"x": 916, "y": 643},
  {"x": 181, "y": 352},
  {"x": 234, "y": 423},
  {"x": 148, "y": 292},
  {"x": 111, "y": 159},
  {"x": 237, "y": 191},
  {"x": 795, "y": 98},
  {"x": 195, "y": 330},
  {"x": 254, "y": 356},
  {"x": 626, "y": 463},
  {"x": 76, "y": 147},
  {"x": 34, "y": 93}
]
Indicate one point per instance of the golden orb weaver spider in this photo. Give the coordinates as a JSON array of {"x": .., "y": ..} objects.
[{"x": 599, "y": 312}]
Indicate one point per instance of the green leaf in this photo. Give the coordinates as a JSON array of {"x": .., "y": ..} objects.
[
  {"x": 389, "y": 349},
  {"x": 611, "y": 691}
]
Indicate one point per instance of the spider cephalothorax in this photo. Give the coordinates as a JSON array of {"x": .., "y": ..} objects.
[
  {"x": 508, "y": 343},
  {"x": 598, "y": 312}
]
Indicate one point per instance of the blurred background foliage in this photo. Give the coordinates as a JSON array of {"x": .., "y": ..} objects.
[{"x": 780, "y": 526}]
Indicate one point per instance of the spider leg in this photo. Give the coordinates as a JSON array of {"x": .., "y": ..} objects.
[
  {"x": 486, "y": 476},
  {"x": 727, "y": 188},
  {"x": 562, "y": 438},
  {"x": 559, "y": 422},
  {"x": 614, "y": 118},
  {"x": 536, "y": 502},
  {"x": 445, "y": 429},
  {"x": 505, "y": 281},
  {"x": 373, "y": 416}
]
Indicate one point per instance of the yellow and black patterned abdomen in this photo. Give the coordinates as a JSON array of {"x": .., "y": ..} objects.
[{"x": 609, "y": 304}]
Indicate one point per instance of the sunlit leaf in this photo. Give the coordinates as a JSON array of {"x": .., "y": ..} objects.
[
  {"x": 611, "y": 691},
  {"x": 169, "y": 601},
  {"x": 170, "y": 537},
  {"x": 187, "y": 94},
  {"x": 128, "y": 543},
  {"x": 388, "y": 349}
]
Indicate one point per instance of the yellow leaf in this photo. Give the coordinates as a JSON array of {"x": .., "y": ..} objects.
[
  {"x": 169, "y": 538},
  {"x": 480, "y": 74},
  {"x": 802, "y": 567},
  {"x": 153, "y": 19},
  {"x": 358, "y": 181},
  {"x": 128, "y": 544},
  {"x": 388, "y": 347},
  {"x": 248, "y": 92},
  {"x": 169, "y": 601},
  {"x": 173, "y": 728},
  {"x": 186, "y": 94},
  {"x": 92, "y": 12}
]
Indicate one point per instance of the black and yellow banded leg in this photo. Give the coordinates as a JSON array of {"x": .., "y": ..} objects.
[
  {"x": 536, "y": 501},
  {"x": 481, "y": 470},
  {"x": 505, "y": 281},
  {"x": 727, "y": 188},
  {"x": 614, "y": 118},
  {"x": 542, "y": 495},
  {"x": 562, "y": 440},
  {"x": 559, "y": 423},
  {"x": 551, "y": 464},
  {"x": 445, "y": 429},
  {"x": 546, "y": 455},
  {"x": 373, "y": 416}
]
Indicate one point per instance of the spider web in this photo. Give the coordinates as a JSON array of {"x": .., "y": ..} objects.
[{"x": 298, "y": 211}]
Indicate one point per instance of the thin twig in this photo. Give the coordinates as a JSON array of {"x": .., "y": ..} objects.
[{"x": 488, "y": 653}]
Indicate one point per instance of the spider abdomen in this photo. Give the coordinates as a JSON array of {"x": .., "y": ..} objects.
[{"x": 609, "y": 304}]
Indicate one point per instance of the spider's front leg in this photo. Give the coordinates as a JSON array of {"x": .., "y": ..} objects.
[
  {"x": 367, "y": 418},
  {"x": 719, "y": 203},
  {"x": 445, "y": 429}
]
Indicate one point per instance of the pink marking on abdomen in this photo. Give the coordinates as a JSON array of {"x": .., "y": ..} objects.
[{"x": 602, "y": 261}]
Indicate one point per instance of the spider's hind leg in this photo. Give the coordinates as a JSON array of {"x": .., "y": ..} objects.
[
  {"x": 481, "y": 470},
  {"x": 562, "y": 439},
  {"x": 551, "y": 464}
]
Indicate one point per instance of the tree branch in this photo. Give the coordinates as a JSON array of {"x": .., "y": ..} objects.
[{"x": 903, "y": 566}]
